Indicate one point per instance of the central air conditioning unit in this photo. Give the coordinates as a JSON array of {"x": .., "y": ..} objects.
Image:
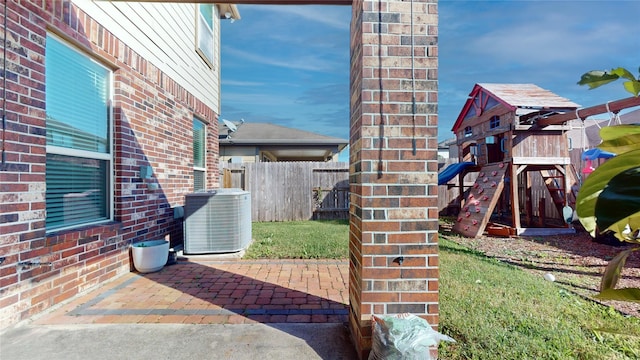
[{"x": 217, "y": 221}]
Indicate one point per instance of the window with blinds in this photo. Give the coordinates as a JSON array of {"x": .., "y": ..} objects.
[
  {"x": 199, "y": 151},
  {"x": 79, "y": 159},
  {"x": 204, "y": 33}
]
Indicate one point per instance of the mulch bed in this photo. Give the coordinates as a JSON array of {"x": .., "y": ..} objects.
[{"x": 575, "y": 260}]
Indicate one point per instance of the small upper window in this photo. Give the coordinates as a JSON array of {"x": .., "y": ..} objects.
[
  {"x": 494, "y": 122},
  {"x": 204, "y": 33},
  {"x": 468, "y": 131}
]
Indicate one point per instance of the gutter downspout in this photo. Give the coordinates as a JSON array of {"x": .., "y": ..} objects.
[
  {"x": 414, "y": 107},
  {"x": 4, "y": 90}
]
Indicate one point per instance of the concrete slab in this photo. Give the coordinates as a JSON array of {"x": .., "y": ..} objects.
[{"x": 176, "y": 341}]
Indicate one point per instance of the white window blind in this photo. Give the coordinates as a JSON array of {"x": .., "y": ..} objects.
[
  {"x": 78, "y": 137},
  {"x": 199, "y": 157}
]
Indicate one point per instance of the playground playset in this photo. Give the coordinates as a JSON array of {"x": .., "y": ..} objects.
[
  {"x": 499, "y": 141},
  {"x": 510, "y": 136}
]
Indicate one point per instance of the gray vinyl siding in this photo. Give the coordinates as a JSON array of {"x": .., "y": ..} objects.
[{"x": 164, "y": 34}]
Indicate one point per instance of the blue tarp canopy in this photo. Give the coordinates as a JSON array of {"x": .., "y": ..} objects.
[
  {"x": 451, "y": 171},
  {"x": 596, "y": 153}
]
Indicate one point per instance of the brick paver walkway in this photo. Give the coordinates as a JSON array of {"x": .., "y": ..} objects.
[{"x": 207, "y": 292}]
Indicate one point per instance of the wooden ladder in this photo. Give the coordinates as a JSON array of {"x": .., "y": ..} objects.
[{"x": 556, "y": 186}]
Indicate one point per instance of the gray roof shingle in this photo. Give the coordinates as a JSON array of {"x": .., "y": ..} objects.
[{"x": 267, "y": 133}]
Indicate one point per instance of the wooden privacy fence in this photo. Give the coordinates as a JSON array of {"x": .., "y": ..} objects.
[
  {"x": 285, "y": 191},
  {"x": 448, "y": 195}
]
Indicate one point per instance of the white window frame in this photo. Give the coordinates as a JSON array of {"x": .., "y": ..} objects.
[
  {"x": 204, "y": 155},
  {"x": 205, "y": 35},
  {"x": 58, "y": 150}
]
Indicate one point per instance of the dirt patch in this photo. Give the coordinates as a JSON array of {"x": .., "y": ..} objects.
[{"x": 575, "y": 260}]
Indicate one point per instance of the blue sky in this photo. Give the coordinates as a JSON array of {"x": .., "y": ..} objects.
[{"x": 289, "y": 65}]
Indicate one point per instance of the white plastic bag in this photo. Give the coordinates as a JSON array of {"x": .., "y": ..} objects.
[{"x": 403, "y": 337}]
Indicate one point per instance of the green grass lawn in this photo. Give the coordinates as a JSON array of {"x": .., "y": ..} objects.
[
  {"x": 493, "y": 310},
  {"x": 326, "y": 239},
  {"x": 498, "y": 311}
]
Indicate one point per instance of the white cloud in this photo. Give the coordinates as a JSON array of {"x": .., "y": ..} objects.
[
  {"x": 542, "y": 33},
  {"x": 310, "y": 62},
  {"x": 549, "y": 43},
  {"x": 336, "y": 17},
  {"x": 541, "y": 43},
  {"x": 237, "y": 99},
  {"x": 242, "y": 83},
  {"x": 333, "y": 93}
]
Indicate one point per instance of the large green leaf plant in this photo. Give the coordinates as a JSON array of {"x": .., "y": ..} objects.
[{"x": 609, "y": 199}]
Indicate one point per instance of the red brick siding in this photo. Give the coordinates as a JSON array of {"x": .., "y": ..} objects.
[
  {"x": 152, "y": 126},
  {"x": 391, "y": 200}
]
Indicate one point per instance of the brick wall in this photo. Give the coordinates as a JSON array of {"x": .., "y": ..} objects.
[
  {"x": 394, "y": 204},
  {"x": 152, "y": 126}
]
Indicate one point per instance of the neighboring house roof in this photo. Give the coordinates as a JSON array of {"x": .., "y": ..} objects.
[
  {"x": 291, "y": 142},
  {"x": 446, "y": 143},
  {"x": 522, "y": 98},
  {"x": 632, "y": 117},
  {"x": 592, "y": 127}
]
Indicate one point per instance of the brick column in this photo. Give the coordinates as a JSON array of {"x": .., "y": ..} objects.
[{"x": 393, "y": 173}]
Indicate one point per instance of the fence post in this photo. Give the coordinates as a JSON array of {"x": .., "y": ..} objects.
[{"x": 226, "y": 178}]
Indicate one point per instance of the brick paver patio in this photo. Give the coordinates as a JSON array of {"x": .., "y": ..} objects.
[{"x": 214, "y": 292}]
